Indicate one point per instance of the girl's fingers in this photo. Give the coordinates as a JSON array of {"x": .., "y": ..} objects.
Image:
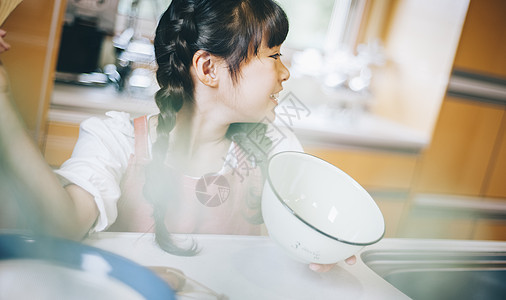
[
  {"x": 351, "y": 260},
  {"x": 325, "y": 268},
  {"x": 321, "y": 268},
  {"x": 3, "y": 45}
]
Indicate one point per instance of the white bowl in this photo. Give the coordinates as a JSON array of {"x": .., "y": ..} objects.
[{"x": 315, "y": 211}]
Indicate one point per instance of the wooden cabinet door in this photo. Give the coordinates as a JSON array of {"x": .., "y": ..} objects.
[
  {"x": 482, "y": 45},
  {"x": 60, "y": 141},
  {"x": 372, "y": 169},
  {"x": 33, "y": 31},
  {"x": 457, "y": 160},
  {"x": 495, "y": 186}
]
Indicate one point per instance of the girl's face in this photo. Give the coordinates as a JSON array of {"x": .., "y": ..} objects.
[{"x": 254, "y": 96}]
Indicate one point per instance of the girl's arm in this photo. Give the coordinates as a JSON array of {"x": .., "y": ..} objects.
[
  {"x": 84, "y": 205},
  {"x": 36, "y": 194}
]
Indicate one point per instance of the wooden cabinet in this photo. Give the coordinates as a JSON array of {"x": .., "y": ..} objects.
[
  {"x": 482, "y": 45},
  {"x": 495, "y": 186},
  {"x": 458, "y": 158},
  {"x": 33, "y": 30},
  {"x": 393, "y": 206},
  {"x": 437, "y": 227},
  {"x": 372, "y": 169},
  {"x": 490, "y": 230},
  {"x": 468, "y": 150},
  {"x": 60, "y": 141},
  {"x": 467, "y": 154},
  {"x": 466, "y": 157}
]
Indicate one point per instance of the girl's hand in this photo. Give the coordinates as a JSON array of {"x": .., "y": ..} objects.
[
  {"x": 325, "y": 268},
  {"x": 3, "y": 45}
]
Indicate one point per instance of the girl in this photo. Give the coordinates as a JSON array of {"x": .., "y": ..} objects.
[
  {"x": 182, "y": 171},
  {"x": 197, "y": 166}
]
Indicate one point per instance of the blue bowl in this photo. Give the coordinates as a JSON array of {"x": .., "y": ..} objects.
[{"x": 70, "y": 254}]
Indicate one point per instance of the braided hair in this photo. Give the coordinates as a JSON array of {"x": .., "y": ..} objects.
[{"x": 231, "y": 29}]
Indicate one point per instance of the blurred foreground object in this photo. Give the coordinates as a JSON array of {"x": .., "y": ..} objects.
[
  {"x": 36, "y": 267},
  {"x": 31, "y": 197}
]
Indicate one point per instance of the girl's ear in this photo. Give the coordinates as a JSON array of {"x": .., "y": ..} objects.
[{"x": 205, "y": 65}]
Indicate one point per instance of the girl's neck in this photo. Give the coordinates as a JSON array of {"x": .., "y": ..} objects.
[{"x": 198, "y": 142}]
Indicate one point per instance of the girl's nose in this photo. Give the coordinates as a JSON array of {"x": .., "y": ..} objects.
[{"x": 284, "y": 72}]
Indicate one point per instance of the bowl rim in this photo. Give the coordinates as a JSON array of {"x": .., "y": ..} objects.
[{"x": 302, "y": 219}]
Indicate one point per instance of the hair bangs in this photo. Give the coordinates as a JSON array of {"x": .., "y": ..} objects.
[
  {"x": 269, "y": 24},
  {"x": 276, "y": 27},
  {"x": 262, "y": 22}
]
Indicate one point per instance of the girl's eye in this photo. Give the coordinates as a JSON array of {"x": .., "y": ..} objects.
[{"x": 275, "y": 56}]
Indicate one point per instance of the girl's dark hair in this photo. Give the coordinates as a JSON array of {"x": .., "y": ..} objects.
[{"x": 231, "y": 29}]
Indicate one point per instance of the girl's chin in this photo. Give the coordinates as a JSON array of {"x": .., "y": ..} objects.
[{"x": 269, "y": 117}]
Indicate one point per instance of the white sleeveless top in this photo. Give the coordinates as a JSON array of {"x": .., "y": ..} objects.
[{"x": 212, "y": 204}]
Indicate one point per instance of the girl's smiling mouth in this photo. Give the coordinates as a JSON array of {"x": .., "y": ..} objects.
[{"x": 275, "y": 98}]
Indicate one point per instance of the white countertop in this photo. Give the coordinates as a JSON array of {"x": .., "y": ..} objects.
[
  {"x": 251, "y": 267},
  {"x": 313, "y": 125},
  {"x": 364, "y": 131},
  {"x": 74, "y": 103},
  {"x": 254, "y": 267}
]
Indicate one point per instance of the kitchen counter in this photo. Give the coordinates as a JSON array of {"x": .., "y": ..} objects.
[
  {"x": 254, "y": 267},
  {"x": 313, "y": 125},
  {"x": 74, "y": 103},
  {"x": 365, "y": 130},
  {"x": 251, "y": 267}
]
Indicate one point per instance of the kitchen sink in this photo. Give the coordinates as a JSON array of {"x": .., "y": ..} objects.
[{"x": 440, "y": 274}]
